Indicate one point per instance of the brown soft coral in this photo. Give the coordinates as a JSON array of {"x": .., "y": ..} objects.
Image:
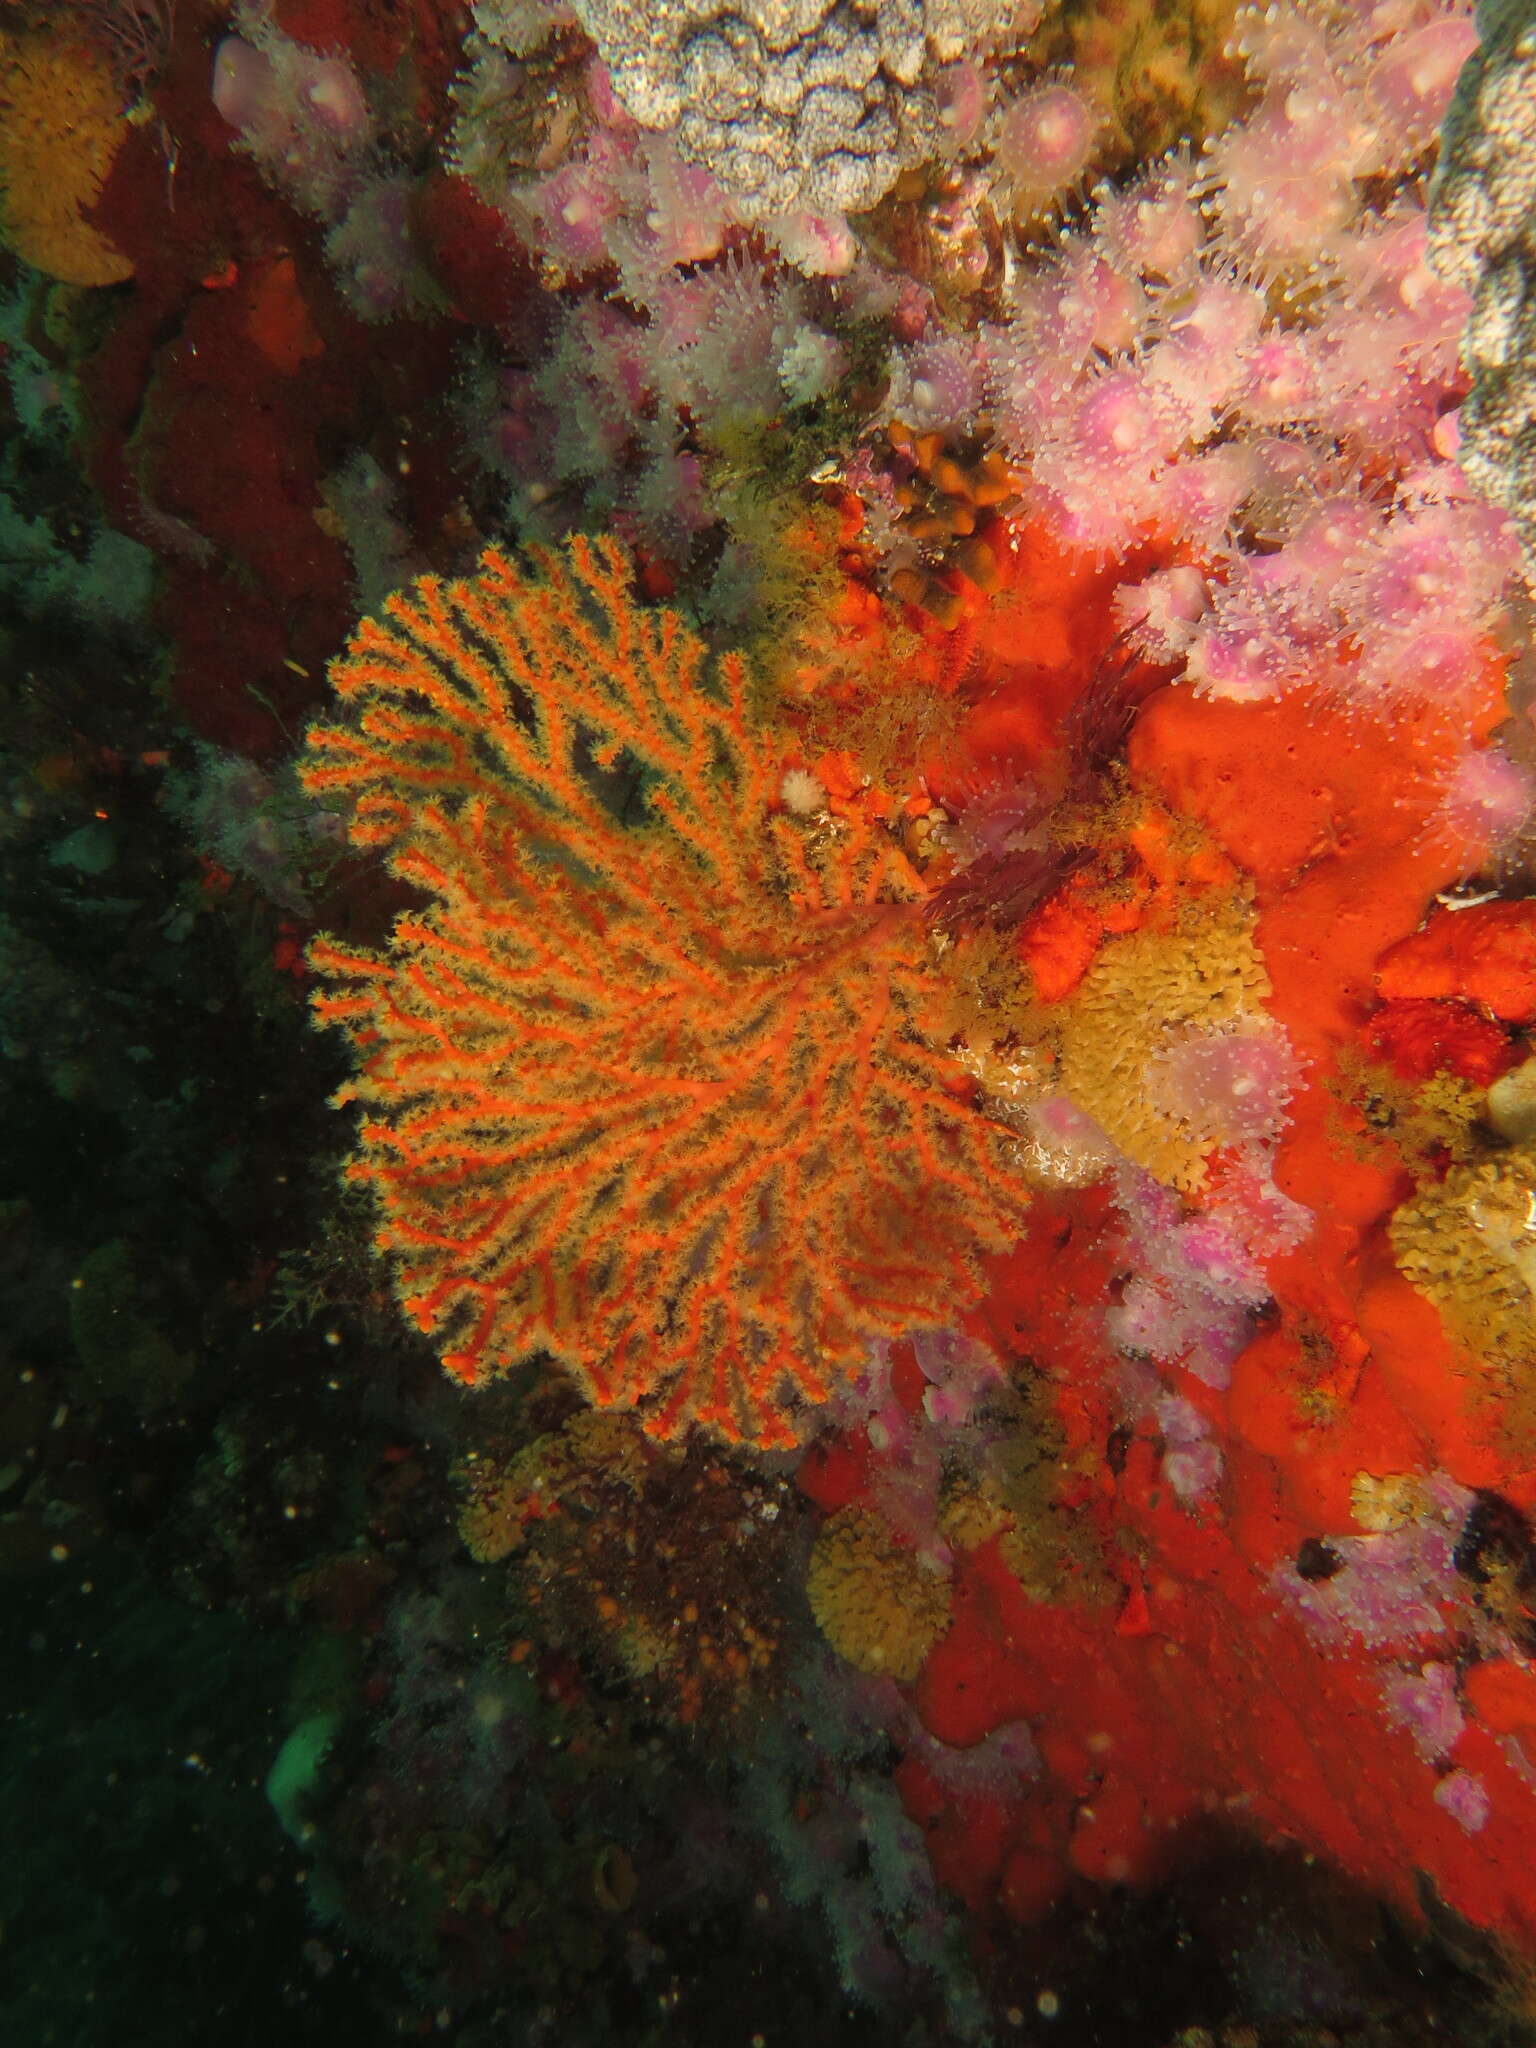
[
  {"x": 1141, "y": 992},
  {"x": 61, "y": 125},
  {"x": 877, "y": 1602},
  {"x": 1469, "y": 1243}
]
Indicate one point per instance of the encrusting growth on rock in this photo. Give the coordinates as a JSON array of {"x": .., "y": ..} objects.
[{"x": 646, "y": 1085}]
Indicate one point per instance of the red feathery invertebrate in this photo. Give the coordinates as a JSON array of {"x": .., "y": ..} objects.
[{"x": 647, "y": 1082}]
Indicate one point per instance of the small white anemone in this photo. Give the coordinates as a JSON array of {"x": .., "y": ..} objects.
[{"x": 801, "y": 794}]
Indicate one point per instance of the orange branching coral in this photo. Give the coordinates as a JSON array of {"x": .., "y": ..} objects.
[{"x": 648, "y": 1082}]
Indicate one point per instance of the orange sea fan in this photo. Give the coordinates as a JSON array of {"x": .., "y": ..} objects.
[{"x": 647, "y": 1085}]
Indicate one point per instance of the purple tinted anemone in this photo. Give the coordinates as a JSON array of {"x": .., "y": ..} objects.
[
  {"x": 1285, "y": 177},
  {"x": 304, "y": 118},
  {"x": 1487, "y": 802},
  {"x": 1280, "y": 379},
  {"x": 1239, "y": 660},
  {"x": 819, "y": 244},
  {"x": 1189, "y": 1329},
  {"x": 1464, "y": 1795},
  {"x": 1393, "y": 1590},
  {"x": 960, "y": 1374},
  {"x": 869, "y": 1401},
  {"x": 1229, "y": 1086},
  {"x": 1154, "y": 228},
  {"x": 371, "y": 248},
  {"x": 937, "y": 384},
  {"x": 244, "y": 84},
  {"x": 1198, "y": 497},
  {"x": 576, "y": 208},
  {"x": 1202, "y": 361},
  {"x": 1205, "y": 1254},
  {"x": 1046, "y": 138},
  {"x": 334, "y": 97},
  {"x": 688, "y": 211},
  {"x": 1413, "y": 77},
  {"x": 1258, "y": 1213},
  {"x": 1424, "y": 1702},
  {"x": 1194, "y": 1470},
  {"x": 1192, "y": 1461},
  {"x": 960, "y": 97},
  {"x": 1121, "y": 417},
  {"x": 989, "y": 1769},
  {"x": 1161, "y": 612}
]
